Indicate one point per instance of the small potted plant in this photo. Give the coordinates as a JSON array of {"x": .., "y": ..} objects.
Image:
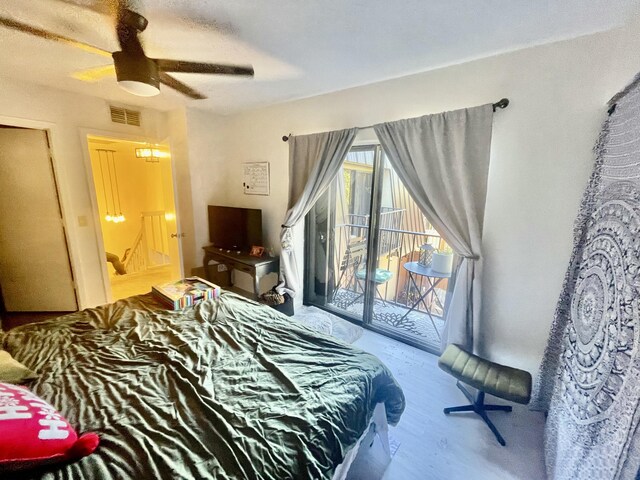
[{"x": 442, "y": 261}]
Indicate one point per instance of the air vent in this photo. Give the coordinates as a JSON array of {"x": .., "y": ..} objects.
[{"x": 124, "y": 115}]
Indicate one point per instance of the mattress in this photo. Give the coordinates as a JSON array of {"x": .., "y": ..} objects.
[{"x": 226, "y": 389}]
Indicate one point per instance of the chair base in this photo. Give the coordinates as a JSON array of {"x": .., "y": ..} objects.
[{"x": 478, "y": 406}]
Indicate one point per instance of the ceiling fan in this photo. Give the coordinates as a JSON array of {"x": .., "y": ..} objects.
[{"x": 136, "y": 73}]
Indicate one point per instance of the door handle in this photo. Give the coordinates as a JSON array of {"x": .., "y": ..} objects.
[{"x": 178, "y": 235}]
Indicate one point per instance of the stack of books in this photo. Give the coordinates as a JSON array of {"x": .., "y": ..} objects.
[{"x": 185, "y": 293}]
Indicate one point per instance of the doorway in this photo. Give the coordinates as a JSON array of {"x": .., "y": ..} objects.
[
  {"x": 364, "y": 240},
  {"x": 134, "y": 194},
  {"x": 35, "y": 268}
]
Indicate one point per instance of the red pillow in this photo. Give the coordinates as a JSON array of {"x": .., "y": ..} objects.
[{"x": 33, "y": 433}]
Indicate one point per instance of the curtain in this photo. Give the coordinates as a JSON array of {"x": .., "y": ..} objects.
[
  {"x": 314, "y": 161},
  {"x": 443, "y": 160}
]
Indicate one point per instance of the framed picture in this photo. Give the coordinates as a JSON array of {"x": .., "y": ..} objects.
[
  {"x": 256, "y": 178},
  {"x": 256, "y": 251}
]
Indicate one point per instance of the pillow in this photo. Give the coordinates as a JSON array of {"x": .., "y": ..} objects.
[
  {"x": 12, "y": 371},
  {"x": 33, "y": 433}
]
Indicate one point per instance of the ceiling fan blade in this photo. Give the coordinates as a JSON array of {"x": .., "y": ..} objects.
[
  {"x": 176, "y": 84},
  {"x": 38, "y": 32},
  {"x": 128, "y": 26},
  {"x": 180, "y": 66},
  {"x": 94, "y": 74}
]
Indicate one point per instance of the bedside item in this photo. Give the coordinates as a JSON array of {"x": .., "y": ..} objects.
[
  {"x": 35, "y": 434},
  {"x": 12, "y": 371},
  {"x": 256, "y": 251},
  {"x": 487, "y": 377},
  {"x": 280, "y": 302},
  {"x": 186, "y": 292},
  {"x": 426, "y": 255}
]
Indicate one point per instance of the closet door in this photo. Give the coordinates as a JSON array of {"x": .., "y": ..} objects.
[{"x": 35, "y": 272}]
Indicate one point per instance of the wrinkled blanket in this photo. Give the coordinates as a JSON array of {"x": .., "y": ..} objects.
[{"x": 226, "y": 389}]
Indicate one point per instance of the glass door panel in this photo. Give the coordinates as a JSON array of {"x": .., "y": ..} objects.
[
  {"x": 337, "y": 236},
  {"x": 408, "y": 295},
  {"x": 368, "y": 209}
]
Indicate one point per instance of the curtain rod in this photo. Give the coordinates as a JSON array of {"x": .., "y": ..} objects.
[{"x": 502, "y": 103}]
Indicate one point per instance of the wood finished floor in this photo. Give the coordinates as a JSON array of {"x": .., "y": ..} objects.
[{"x": 458, "y": 446}]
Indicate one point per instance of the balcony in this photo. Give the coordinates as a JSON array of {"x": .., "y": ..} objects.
[
  {"x": 338, "y": 230},
  {"x": 392, "y": 310}
]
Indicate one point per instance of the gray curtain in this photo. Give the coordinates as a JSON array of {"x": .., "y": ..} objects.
[
  {"x": 443, "y": 160},
  {"x": 314, "y": 161}
]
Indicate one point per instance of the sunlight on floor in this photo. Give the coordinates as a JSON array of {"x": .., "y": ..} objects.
[{"x": 123, "y": 286}]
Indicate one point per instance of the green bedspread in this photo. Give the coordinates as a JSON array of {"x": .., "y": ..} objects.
[{"x": 226, "y": 389}]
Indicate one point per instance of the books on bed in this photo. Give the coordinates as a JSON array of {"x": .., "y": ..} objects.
[{"x": 185, "y": 293}]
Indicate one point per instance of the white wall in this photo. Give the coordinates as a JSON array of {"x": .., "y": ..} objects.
[
  {"x": 175, "y": 133},
  {"x": 69, "y": 116},
  {"x": 541, "y": 160},
  {"x": 208, "y": 173}
]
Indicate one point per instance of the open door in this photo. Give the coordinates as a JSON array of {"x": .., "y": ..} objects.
[
  {"x": 35, "y": 270},
  {"x": 136, "y": 205}
]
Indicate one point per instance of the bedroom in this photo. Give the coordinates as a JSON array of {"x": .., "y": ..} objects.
[{"x": 558, "y": 64}]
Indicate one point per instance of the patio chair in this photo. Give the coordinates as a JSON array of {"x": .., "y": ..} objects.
[
  {"x": 354, "y": 264},
  {"x": 353, "y": 257}
]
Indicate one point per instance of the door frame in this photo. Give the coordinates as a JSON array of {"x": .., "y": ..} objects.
[
  {"x": 51, "y": 131},
  {"x": 95, "y": 212}
]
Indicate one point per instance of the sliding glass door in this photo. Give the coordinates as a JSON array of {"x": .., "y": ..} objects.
[
  {"x": 368, "y": 209},
  {"x": 337, "y": 238}
]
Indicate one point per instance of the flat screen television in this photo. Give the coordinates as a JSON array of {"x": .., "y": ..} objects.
[{"x": 234, "y": 228}]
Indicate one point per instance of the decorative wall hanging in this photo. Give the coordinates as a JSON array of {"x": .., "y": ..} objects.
[
  {"x": 590, "y": 376},
  {"x": 107, "y": 161},
  {"x": 255, "y": 180}
]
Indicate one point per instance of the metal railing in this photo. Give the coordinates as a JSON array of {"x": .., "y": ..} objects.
[
  {"x": 396, "y": 247},
  {"x": 151, "y": 246},
  {"x": 390, "y": 222}
]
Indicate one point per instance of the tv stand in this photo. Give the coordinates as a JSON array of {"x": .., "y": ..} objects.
[{"x": 257, "y": 267}]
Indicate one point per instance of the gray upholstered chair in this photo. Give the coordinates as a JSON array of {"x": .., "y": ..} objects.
[{"x": 487, "y": 377}]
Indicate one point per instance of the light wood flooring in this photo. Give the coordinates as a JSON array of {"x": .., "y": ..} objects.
[{"x": 458, "y": 446}]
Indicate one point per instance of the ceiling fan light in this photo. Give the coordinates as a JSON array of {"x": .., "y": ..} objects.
[
  {"x": 139, "y": 88},
  {"x": 137, "y": 74}
]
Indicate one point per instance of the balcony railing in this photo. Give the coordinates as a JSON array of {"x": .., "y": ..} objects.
[{"x": 396, "y": 247}]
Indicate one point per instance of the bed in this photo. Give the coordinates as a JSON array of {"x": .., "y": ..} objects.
[{"x": 226, "y": 389}]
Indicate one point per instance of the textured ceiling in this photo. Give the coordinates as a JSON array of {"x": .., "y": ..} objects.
[{"x": 298, "y": 48}]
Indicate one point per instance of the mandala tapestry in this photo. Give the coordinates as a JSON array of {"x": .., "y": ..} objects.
[{"x": 590, "y": 376}]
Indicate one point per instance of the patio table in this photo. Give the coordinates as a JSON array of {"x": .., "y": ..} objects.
[{"x": 417, "y": 270}]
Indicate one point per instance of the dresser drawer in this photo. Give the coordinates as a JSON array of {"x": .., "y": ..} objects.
[{"x": 243, "y": 268}]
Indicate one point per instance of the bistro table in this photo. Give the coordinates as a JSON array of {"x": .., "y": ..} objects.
[{"x": 417, "y": 270}]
